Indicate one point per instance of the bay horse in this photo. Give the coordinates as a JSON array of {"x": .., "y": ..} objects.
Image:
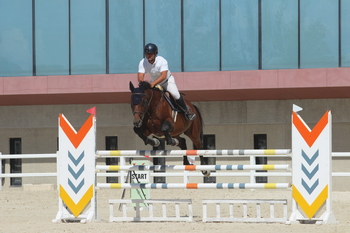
[{"x": 153, "y": 115}]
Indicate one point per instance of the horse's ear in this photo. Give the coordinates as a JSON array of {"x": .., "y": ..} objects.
[{"x": 131, "y": 86}]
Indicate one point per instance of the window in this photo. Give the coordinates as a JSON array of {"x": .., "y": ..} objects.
[
  {"x": 345, "y": 33},
  {"x": 88, "y": 37},
  {"x": 279, "y": 34},
  {"x": 16, "y": 50},
  {"x": 16, "y": 164},
  {"x": 201, "y": 36},
  {"x": 158, "y": 31},
  {"x": 260, "y": 142},
  {"x": 111, "y": 144},
  {"x": 2, "y": 171},
  {"x": 318, "y": 34},
  {"x": 51, "y": 37},
  {"x": 125, "y": 35},
  {"x": 239, "y": 34}
]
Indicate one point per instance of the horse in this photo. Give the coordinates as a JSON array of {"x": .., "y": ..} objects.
[{"x": 154, "y": 115}]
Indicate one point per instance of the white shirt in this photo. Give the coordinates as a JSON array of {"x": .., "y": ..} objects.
[{"x": 154, "y": 70}]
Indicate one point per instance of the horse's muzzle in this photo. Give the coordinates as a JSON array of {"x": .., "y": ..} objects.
[
  {"x": 138, "y": 117},
  {"x": 137, "y": 124}
]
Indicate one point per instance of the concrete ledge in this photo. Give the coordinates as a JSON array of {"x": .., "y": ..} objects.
[{"x": 38, "y": 187}]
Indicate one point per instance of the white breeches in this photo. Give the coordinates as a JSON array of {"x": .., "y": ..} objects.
[{"x": 171, "y": 87}]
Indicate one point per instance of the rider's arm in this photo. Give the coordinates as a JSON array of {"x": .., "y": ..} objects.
[
  {"x": 141, "y": 72},
  {"x": 141, "y": 77},
  {"x": 160, "y": 79}
]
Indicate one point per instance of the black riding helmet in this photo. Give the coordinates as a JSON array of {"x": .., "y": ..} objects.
[{"x": 150, "y": 48}]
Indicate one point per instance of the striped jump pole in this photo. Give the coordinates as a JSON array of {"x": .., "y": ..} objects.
[
  {"x": 189, "y": 167},
  {"x": 211, "y": 153},
  {"x": 193, "y": 186}
]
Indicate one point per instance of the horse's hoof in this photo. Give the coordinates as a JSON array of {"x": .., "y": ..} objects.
[
  {"x": 156, "y": 142},
  {"x": 173, "y": 142},
  {"x": 206, "y": 173}
]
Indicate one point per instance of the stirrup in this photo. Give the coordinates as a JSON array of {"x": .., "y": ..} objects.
[{"x": 190, "y": 116}]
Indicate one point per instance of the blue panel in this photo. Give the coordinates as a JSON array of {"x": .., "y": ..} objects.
[
  {"x": 239, "y": 35},
  {"x": 16, "y": 47},
  {"x": 201, "y": 35},
  {"x": 163, "y": 27},
  {"x": 52, "y": 37},
  {"x": 279, "y": 34},
  {"x": 88, "y": 37},
  {"x": 345, "y": 33},
  {"x": 318, "y": 33},
  {"x": 125, "y": 35}
]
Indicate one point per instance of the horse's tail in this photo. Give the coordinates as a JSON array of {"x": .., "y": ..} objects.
[{"x": 201, "y": 123}]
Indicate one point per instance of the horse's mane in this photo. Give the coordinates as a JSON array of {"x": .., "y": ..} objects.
[{"x": 145, "y": 85}]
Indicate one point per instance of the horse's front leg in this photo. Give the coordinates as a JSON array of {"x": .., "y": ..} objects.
[
  {"x": 166, "y": 128},
  {"x": 151, "y": 141}
]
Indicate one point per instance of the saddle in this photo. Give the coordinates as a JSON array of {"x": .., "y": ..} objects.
[
  {"x": 171, "y": 101},
  {"x": 168, "y": 98}
]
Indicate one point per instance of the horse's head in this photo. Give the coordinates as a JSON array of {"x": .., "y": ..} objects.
[{"x": 140, "y": 101}]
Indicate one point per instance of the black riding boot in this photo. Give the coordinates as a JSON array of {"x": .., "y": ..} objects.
[{"x": 182, "y": 105}]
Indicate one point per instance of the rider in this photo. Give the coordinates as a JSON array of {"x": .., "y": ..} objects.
[{"x": 157, "y": 67}]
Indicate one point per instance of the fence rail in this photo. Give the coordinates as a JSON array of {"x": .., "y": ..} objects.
[{"x": 251, "y": 174}]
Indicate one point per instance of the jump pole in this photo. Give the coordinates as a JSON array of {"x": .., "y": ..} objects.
[{"x": 190, "y": 167}]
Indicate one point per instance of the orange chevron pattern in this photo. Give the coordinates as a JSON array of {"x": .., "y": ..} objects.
[
  {"x": 74, "y": 137},
  {"x": 310, "y": 136}
]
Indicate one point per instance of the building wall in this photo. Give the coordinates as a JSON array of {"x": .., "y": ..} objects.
[
  {"x": 61, "y": 37},
  {"x": 233, "y": 122}
]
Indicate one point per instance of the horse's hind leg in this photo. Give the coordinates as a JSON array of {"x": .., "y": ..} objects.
[
  {"x": 182, "y": 143},
  {"x": 198, "y": 144},
  {"x": 183, "y": 146}
]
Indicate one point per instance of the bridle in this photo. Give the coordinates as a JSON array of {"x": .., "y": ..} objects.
[{"x": 146, "y": 103}]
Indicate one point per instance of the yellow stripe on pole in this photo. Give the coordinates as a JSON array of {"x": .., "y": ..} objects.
[
  {"x": 116, "y": 186},
  {"x": 269, "y": 152},
  {"x": 114, "y": 168},
  {"x": 115, "y": 153},
  {"x": 269, "y": 167},
  {"x": 270, "y": 186}
]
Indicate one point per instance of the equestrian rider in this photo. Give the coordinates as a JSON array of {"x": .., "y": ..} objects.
[{"x": 157, "y": 68}]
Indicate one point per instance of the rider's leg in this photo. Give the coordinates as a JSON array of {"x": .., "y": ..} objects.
[
  {"x": 181, "y": 103},
  {"x": 172, "y": 89}
]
